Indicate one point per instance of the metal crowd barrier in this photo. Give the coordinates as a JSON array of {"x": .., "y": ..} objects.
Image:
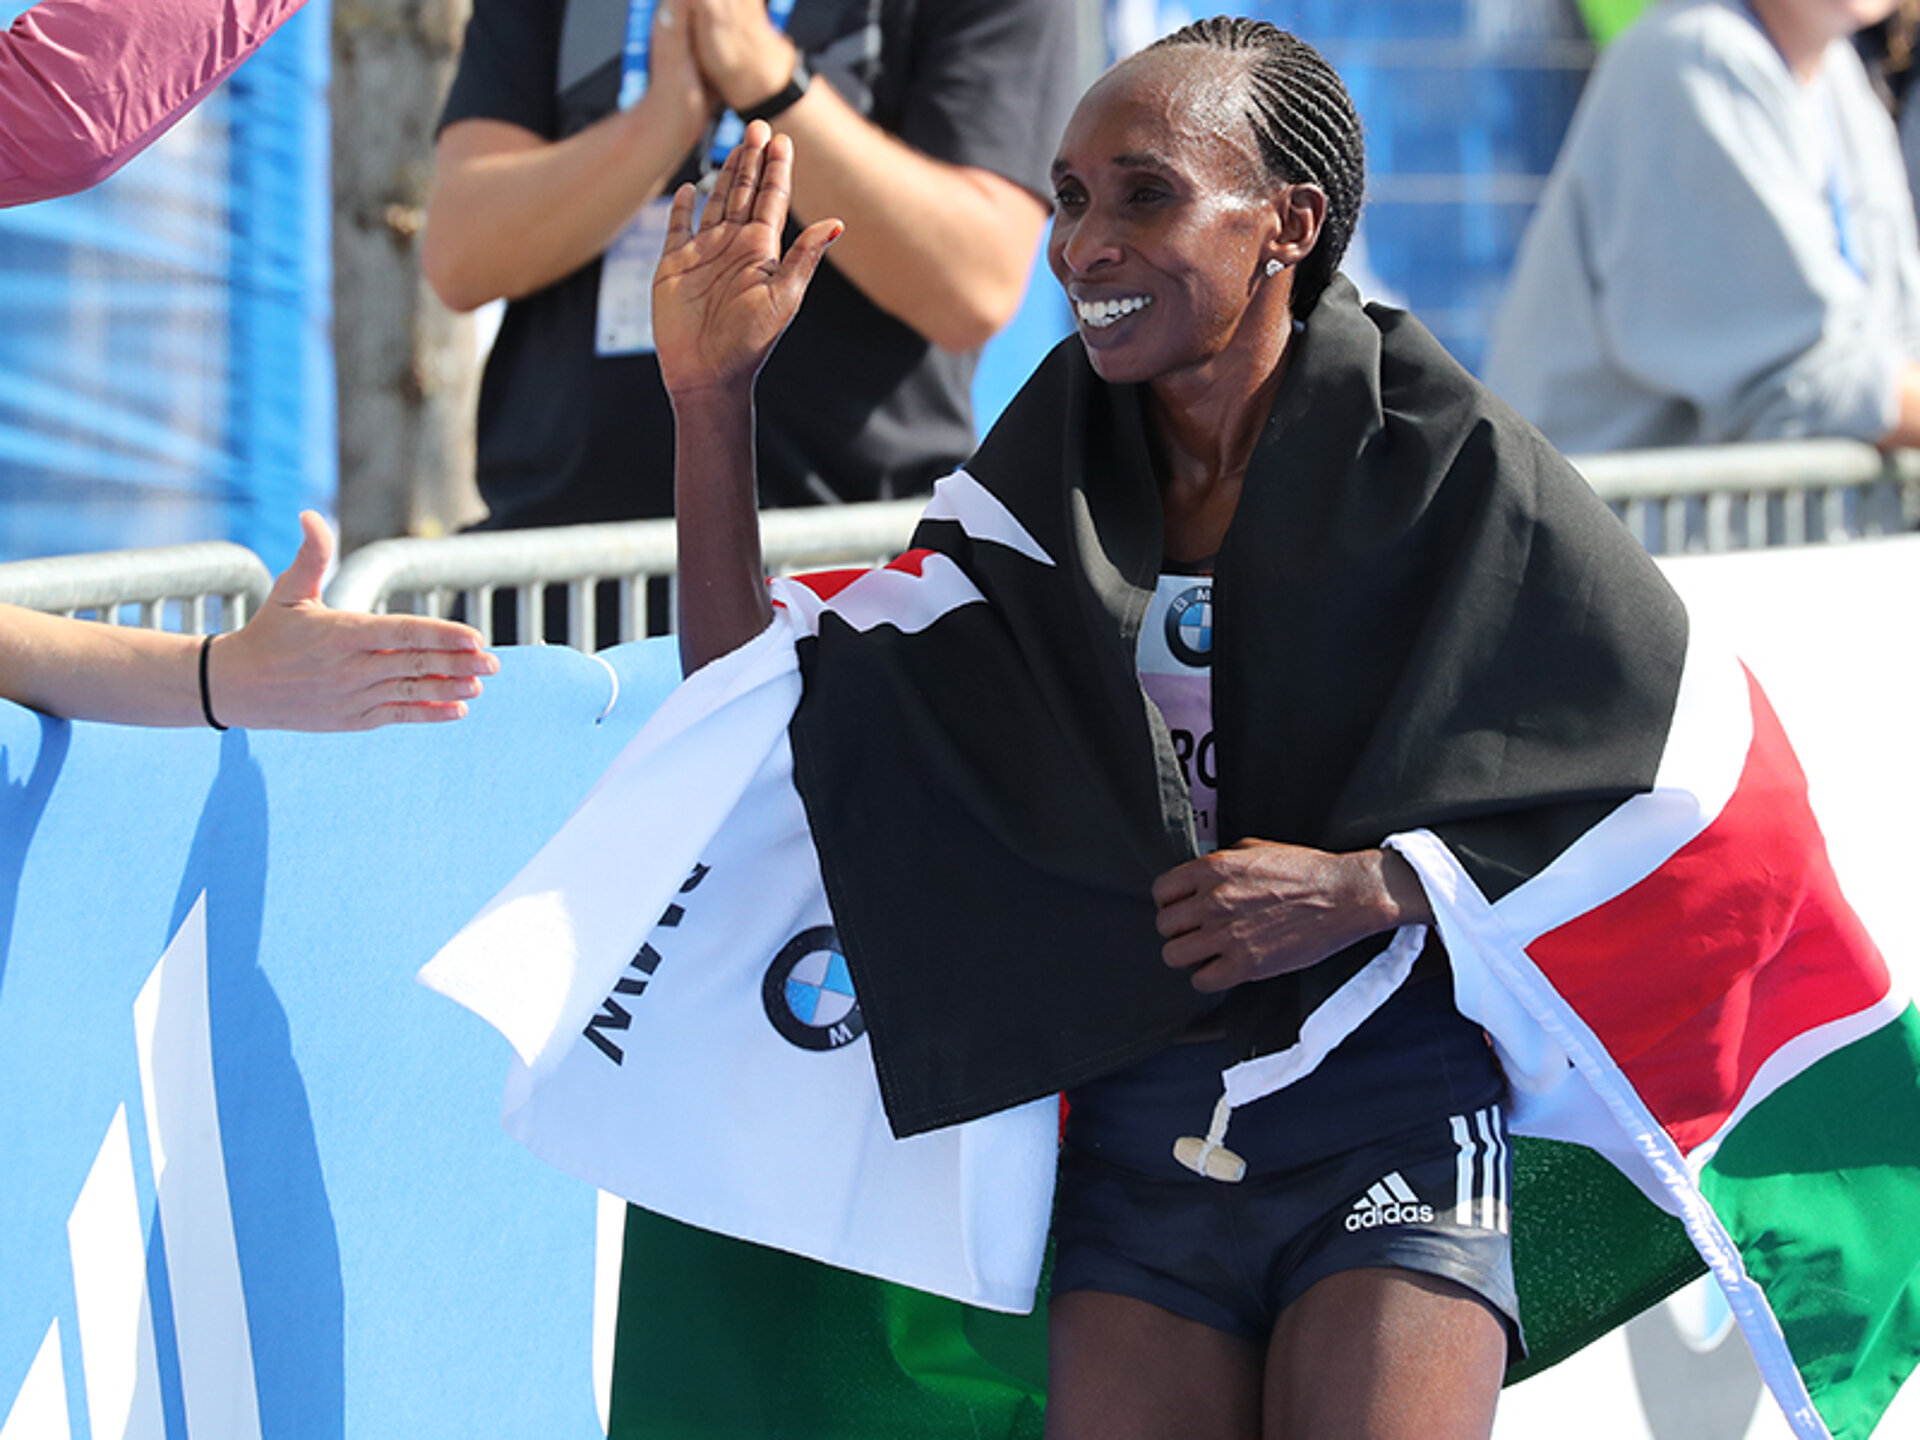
[
  {"x": 1740, "y": 497},
  {"x": 1697, "y": 499},
  {"x": 1704, "y": 499},
  {"x": 209, "y": 586},
  {"x": 465, "y": 573}
]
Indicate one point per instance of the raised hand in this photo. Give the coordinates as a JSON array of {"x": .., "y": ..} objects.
[{"x": 723, "y": 295}]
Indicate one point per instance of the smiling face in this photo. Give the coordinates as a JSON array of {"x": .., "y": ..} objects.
[{"x": 1163, "y": 222}]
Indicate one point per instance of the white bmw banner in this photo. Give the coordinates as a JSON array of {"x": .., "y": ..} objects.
[{"x": 725, "y": 1078}]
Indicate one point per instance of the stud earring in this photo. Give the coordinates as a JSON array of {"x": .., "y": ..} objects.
[{"x": 1274, "y": 267}]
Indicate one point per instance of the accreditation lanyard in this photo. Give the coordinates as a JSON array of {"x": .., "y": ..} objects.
[
  {"x": 728, "y": 128},
  {"x": 1843, "y": 226},
  {"x": 1845, "y": 236}
]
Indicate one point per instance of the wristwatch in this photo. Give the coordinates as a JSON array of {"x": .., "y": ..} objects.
[{"x": 778, "y": 102}]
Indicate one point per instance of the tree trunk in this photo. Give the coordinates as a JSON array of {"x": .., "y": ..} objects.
[{"x": 407, "y": 366}]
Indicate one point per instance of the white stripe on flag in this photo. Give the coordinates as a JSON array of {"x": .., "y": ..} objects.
[
  {"x": 1705, "y": 754},
  {"x": 981, "y": 516},
  {"x": 892, "y": 596}
]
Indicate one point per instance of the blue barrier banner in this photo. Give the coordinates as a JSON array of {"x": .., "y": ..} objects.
[{"x": 255, "y": 1178}]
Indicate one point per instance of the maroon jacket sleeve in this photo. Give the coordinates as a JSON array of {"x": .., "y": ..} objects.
[{"x": 85, "y": 85}]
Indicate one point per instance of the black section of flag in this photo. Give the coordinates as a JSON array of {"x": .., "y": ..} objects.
[{"x": 1421, "y": 617}]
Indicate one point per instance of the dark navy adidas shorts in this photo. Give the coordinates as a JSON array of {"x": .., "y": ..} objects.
[{"x": 1424, "y": 1189}]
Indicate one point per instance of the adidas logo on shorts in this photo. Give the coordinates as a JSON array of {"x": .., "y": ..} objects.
[
  {"x": 1389, "y": 1201},
  {"x": 1480, "y": 1179}
]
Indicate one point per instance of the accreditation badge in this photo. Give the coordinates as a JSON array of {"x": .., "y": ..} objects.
[{"x": 623, "y": 317}]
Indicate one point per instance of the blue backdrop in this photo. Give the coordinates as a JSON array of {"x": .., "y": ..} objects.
[
  {"x": 404, "y": 1268},
  {"x": 166, "y": 368}
]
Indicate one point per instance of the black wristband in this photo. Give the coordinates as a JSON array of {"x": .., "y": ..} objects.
[
  {"x": 781, "y": 100},
  {"x": 206, "y": 691}
]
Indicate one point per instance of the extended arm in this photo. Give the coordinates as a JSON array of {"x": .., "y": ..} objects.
[
  {"x": 1259, "y": 909},
  {"x": 511, "y": 211},
  {"x": 85, "y": 86},
  {"x": 721, "y": 300},
  {"x": 945, "y": 248},
  {"x": 295, "y": 666}
]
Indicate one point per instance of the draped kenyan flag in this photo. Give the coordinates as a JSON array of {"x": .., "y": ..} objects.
[
  {"x": 1685, "y": 991},
  {"x": 1758, "y": 1082},
  {"x": 1763, "y": 1073},
  {"x": 1427, "y": 634}
]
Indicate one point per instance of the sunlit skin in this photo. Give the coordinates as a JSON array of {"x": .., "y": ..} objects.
[{"x": 1161, "y": 198}]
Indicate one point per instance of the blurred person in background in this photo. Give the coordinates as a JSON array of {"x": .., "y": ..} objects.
[
  {"x": 1889, "y": 51},
  {"x": 1726, "y": 248},
  {"x": 928, "y": 128}
]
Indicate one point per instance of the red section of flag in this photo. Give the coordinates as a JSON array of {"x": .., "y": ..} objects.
[
  {"x": 913, "y": 561},
  {"x": 829, "y": 583},
  {"x": 1738, "y": 943}
]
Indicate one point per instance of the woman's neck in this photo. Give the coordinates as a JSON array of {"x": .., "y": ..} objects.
[{"x": 1204, "y": 435}]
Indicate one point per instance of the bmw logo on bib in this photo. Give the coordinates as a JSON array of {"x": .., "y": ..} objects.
[
  {"x": 1190, "y": 626},
  {"x": 809, "y": 995}
]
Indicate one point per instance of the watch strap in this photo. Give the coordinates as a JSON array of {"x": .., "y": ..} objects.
[{"x": 781, "y": 100}]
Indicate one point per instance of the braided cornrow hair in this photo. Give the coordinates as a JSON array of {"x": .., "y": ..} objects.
[{"x": 1305, "y": 124}]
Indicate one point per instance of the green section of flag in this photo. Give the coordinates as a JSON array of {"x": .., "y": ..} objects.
[
  {"x": 1820, "y": 1187},
  {"x": 1589, "y": 1250},
  {"x": 1607, "y": 18},
  {"x": 720, "y": 1338}
]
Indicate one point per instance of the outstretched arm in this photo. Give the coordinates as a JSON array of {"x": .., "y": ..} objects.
[
  {"x": 722, "y": 298},
  {"x": 295, "y": 666}
]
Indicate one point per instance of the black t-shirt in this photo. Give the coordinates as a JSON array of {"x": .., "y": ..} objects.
[{"x": 853, "y": 405}]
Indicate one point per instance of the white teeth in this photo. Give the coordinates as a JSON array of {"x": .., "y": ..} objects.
[{"x": 1102, "y": 313}]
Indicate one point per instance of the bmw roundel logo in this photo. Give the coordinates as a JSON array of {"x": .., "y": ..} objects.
[
  {"x": 808, "y": 993},
  {"x": 1190, "y": 626}
]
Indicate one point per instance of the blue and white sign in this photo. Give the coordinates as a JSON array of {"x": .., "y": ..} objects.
[{"x": 255, "y": 1181}]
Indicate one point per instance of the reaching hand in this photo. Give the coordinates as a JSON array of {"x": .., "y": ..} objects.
[
  {"x": 1259, "y": 909},
  {"x": 299, "y": 666},
  {"x": 723, "y": 296}
]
